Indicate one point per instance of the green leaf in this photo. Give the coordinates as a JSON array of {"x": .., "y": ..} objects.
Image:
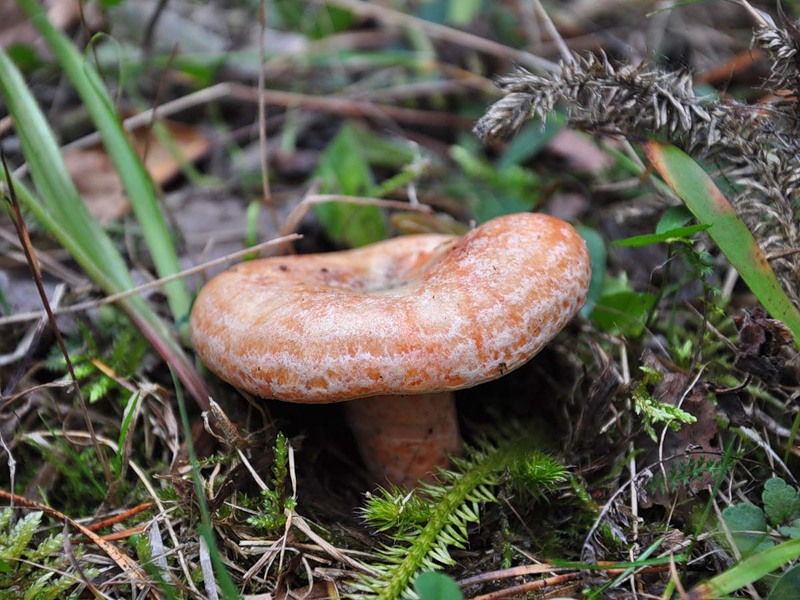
[
  {"x": 788, "y": 586},
  {"x": 679, "y": 233},
  {"x": 436, "y": 586},
  {"x": 462, "y": 12},
  {"x": 494, "y": 191},
  {"x": 344, "y": 168},
  {"x": 748, "y": 527},
  {"x": 314, "y": 21},
  {"x": 137, "y": 183},
  {"x": 379, "y": 150},
  {"x": 60, "y": 197},
  {"x": 748, "y": 571},
  {"x": 62, "y": 212},
  {"x": 530, "y": 140},
  {"x": 781, "y": 501},
  {"x": 597, "y": 256},
  {"x": 673, "y": 217},
  {"x": 709, "y": 206},
  {"x": 21, "y": 535},
  {"x": 792, "y": 530},
  {"x": 495, "y": 205},
  {"x": 25, "y": 57},
  {"x": 623, "y": 312}
]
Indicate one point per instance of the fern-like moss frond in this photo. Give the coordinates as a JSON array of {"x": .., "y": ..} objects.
[
  {"x": 433, "y": 518},
  {"x": 123, "y": 357},
  {"x": 30, "y": 570}
]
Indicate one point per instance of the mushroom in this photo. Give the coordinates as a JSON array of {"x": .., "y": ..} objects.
[{"x": 394, "y": 328}]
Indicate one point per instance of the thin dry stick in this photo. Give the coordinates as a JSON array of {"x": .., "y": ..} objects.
[
  {"x": 124, "y": 534},
  {"x": 12, "y": 466},
  {"x": 673, "y": 571},
  {"x": 330, "y": 104},
  {"x": 5, "y": 124},
  {"x": 123, "y": 561},
  {"x": 301, "y": 524},
  {"x": 442, "y": 32},
  {"x": 402, "y": 92},
  {"x": 566, "y": 53},
  {"x": 759, "y": 17},
  {"x": 150, "y": 28},
  {"x": 25, "y": 348},
  {"x": 262, "y": 116},
  {"x": 528, "y": 24},
  {"x": 156, "y": 283},
  {"x": 27, "y": 247},
  {"x": 299, "y": 211},
  {"x": 632, "y": 469},
  {"x": 351, "y": 108},
  {"x": 529, "y": 586},
  {"x": 162, "y": 80},
  {"x": 518, "y": 571},
  {"x": 662, "y": 438},
  {"x": 76, "y": 435},
  {"x": 123, "y": 516},
  {"x": 42, "y": 386}
]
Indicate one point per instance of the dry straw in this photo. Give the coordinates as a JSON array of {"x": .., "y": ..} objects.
[{"x": 758, "y": 144}]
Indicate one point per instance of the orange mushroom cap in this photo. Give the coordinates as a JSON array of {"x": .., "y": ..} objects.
[{"x": 410, "y": 315}]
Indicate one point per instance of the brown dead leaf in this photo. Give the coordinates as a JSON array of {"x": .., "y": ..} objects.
[
  {"x": 597, "y": 407},
  {"x": 159, "y": 161},
  {"x": 761, "y": 340},
  {"x": 318, "y": 590},
  {"x": 580, "y": 151},
  {"x": 98, "y": 182},
  {"x": 683, "y": 453},
  {"x": 15, "y": 28}
]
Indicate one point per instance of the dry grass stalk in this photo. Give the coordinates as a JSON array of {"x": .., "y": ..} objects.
[{"x": 757, "y": 143}]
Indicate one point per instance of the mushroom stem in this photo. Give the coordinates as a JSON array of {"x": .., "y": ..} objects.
[{"x": 403, "y": 439}]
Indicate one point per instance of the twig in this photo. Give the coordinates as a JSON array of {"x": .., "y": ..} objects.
[
  {"x": 351, "y": 108},
  {"x": 509, "y": 573},
  {"x": 52, "y": 384},
  {"x": 462, "y": 38},
  {"x": 27, "y": 246},
  {"x": 81, "y": 306},
  {"x": 299, "y": 211},
  {"x": 330, "y": 104},
  {"x": 566, "y": 53},
  {"x": 162, "y": 80},
  {"x": 262, "y": 116},
  {"x": 123, "y": 516},
  {"x": 28, "y": 346},
  {"x": 122, "y": 560},
  {"x": 529, "y": 586},
  {"x": 758, "y": 16},
  {"x": 301, "y": 524},
  {"x": 150, "y": 28},
  {"x": 77, "y": 435}
]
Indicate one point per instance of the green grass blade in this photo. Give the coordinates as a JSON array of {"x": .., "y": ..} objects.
[
  {"x": 61, "y": 199},
  {"x": 749, "y": 570},
  {"x": 731, "y": 235},
  {"x": 205, "y": 529},
  {"x": 62, "y": 212},
  {"x": 135, "y": 179},
  {"x": 127, "y": 418}
]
